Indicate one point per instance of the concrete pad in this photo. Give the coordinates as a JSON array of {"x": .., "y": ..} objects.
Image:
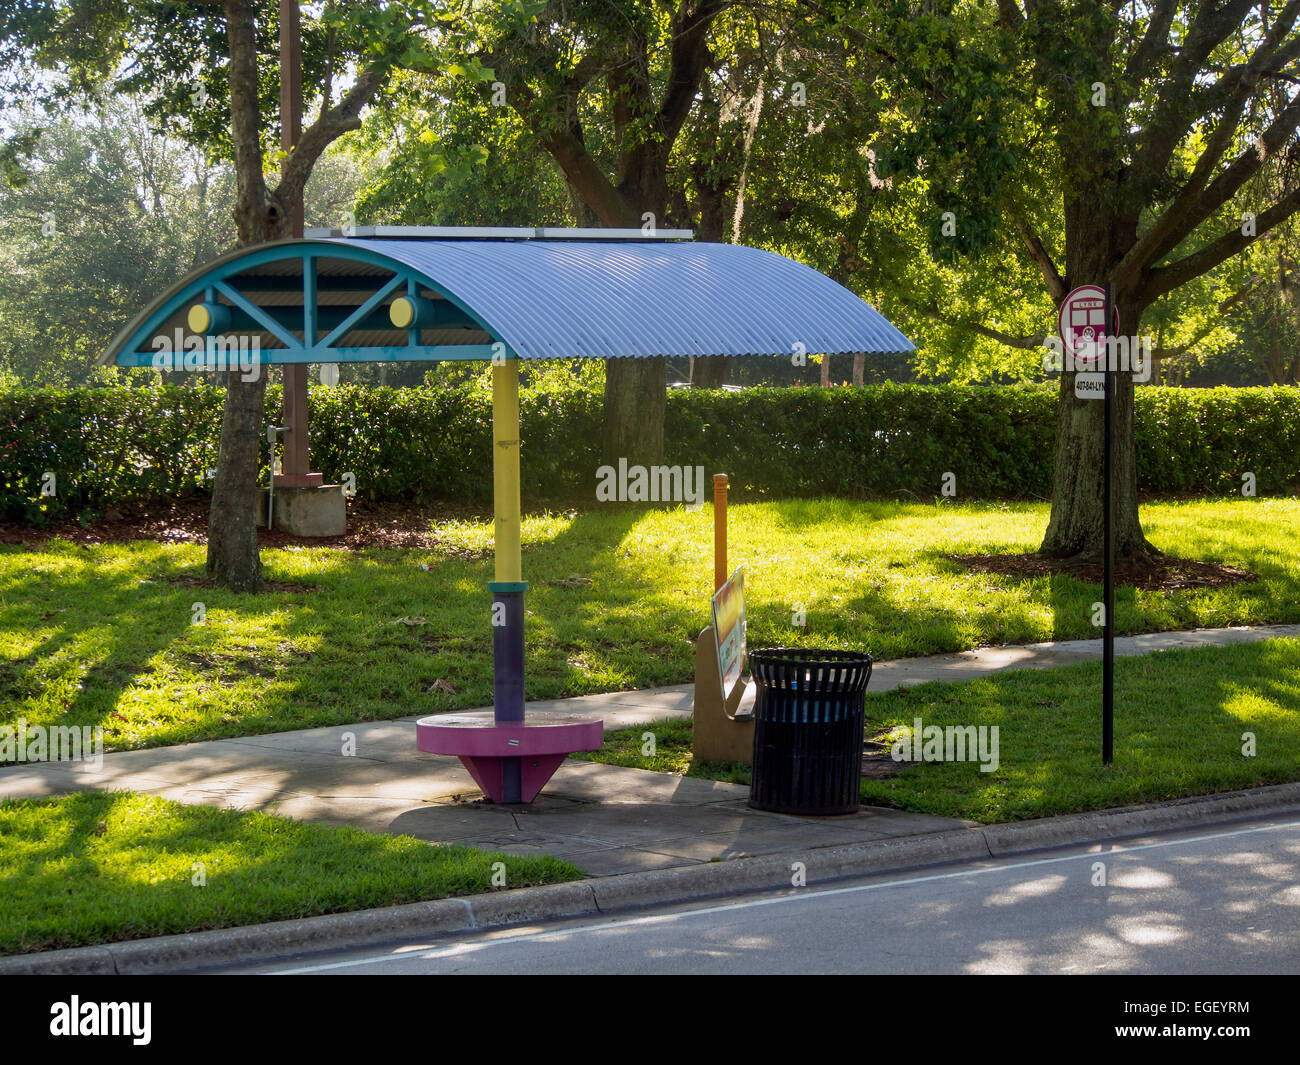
[
  {"x": 642, "y": 825},
  {"x": 907, "y": 822},
  {"x": 600, "y": 862},
  {"x": 606, "y": 840},
  {"x": 640, "y": 715},
  {"x": 722, "y": 846},
  {"x": 687, "y": 821},
  {"x": 378, "y": 740},
  {"x": 379, "y": 780},
  {"x": 42, "y": 780},
  {"x": 984, "y": 661},
  {"x": 621, "y": 860},
  {"x": 1155, "y": 641},
  {"x": 208, "y": 758},
  {"x": 676, "y": 696},
  {"x": 968, "y": 665},
  {"x": 611, "y": 785}
]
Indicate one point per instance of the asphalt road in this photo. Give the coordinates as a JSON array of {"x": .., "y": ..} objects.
[{"x": 1223, "y": 900}]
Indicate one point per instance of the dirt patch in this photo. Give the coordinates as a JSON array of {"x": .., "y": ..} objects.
[
  {"x": 1165, "y": 573},
  {"x": 225, "y": 665},
  {"x": 571, "y": 581},
  {"x": 186, "y": 522},
  {"x": 877, "y": 761},
  {"x": 185, "y": 580}
]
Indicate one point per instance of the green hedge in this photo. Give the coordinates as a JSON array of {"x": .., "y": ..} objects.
[
  {"x": 104, "y": 446},
  {"x": 873, "y": 441},
  {"x": 1203, "y": 440},
  {"x": 113, "y": 446}
]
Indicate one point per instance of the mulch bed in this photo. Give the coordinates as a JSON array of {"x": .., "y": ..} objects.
[
  {"x": 1163, "y": 573},
  {"x": 402, "y": 526},
  {"x": 185, "y": 580},
  {"x": 186, "y": 522},
  {"x": 877, "y": 761}
]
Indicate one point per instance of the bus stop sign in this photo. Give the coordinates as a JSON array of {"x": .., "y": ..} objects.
[{"x": 1081, "y": 323}]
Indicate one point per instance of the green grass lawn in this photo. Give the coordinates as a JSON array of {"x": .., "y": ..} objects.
[
  {"x": 671, "y": 752},
  {"x": 104, "y": 635},
  {"x": 104, "y": 867},
  {"x": 1180, "y": 722}
]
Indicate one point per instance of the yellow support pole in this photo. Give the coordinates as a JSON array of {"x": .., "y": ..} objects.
[{"x": 505, "y": 469}]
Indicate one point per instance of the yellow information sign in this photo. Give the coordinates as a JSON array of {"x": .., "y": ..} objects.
[{"x": 729, "y": 629}]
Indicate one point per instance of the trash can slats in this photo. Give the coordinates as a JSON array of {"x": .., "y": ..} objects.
[{"x": 808, "y": 729}]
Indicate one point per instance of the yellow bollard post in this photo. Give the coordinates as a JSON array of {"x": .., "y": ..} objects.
[{"x": 505, "y": 469}]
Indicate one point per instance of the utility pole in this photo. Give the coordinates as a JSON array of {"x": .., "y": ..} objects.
[
  {"x": 297, "y": 463},
  {"x": 1108, "y": 545}
]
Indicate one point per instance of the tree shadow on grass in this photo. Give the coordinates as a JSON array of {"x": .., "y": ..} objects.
[
  {"x": 133, "y": 620},
  {"x": 378, "y": 633},
  {"x": 112, "y": 866},
  {"x": 368, "y": 643},
  {"x": 1180, "y": 722}
]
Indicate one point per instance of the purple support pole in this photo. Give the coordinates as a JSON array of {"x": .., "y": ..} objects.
[{"x": 508, "y": 671}]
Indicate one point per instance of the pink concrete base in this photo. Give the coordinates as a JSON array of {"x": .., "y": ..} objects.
[
  {"x": 489, "y": 774},
  {"x": 541, "y": 742}
]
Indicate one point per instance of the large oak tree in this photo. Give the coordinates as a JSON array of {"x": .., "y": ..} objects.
[{"x": 1138, "y": 145}]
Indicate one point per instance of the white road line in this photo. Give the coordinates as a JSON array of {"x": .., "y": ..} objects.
[{"x": 731, "y": 907}]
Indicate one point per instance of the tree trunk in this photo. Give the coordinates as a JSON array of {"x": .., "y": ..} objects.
[
  {"x": 233, "y": 561},
  {"x": 709, "y": 372},
  {"x": 1275, "y": 360},
  {"x": 1076, "y": 527},
  {"x": 583, "y": 216},
  {"x": 636, "y": 389},
  {"x": 635, "y": 401},
  {"x": 261, "y": 215},
  {"x": 645, "y": 130}
]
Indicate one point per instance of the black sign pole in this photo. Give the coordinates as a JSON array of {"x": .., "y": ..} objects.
[{"x": 1108, "y": 547}]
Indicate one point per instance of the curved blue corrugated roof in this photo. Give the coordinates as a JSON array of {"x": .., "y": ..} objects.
[
  {"x": 549, "y": 299},
  {"x": 577, "y": 299}
]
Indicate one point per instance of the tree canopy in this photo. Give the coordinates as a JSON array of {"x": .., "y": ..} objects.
[{"x": 960, "y": 163}]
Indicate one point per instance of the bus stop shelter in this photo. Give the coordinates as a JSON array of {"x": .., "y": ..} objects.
[{"x": 393, "y": 294}]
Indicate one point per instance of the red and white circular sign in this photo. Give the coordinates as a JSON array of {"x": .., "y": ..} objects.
[{"x": 1082, "y": 323}]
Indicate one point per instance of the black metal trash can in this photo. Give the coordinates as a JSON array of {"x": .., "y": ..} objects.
[{"x": 808, "y": 729}]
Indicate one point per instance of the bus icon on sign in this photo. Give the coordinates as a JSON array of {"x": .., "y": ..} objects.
[{"x": 1082, "y": 323}]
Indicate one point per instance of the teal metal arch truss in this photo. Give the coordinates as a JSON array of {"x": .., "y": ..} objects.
[{"x": 302, "y": 302}]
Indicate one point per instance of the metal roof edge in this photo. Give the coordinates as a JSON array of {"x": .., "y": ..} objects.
[{"x": 493, "y": 233}]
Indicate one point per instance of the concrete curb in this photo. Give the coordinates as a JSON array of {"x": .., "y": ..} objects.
[{"x": 280, "y": 939}]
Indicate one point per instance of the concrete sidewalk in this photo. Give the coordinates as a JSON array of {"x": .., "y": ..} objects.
[{"x": 606, "y": 819}]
